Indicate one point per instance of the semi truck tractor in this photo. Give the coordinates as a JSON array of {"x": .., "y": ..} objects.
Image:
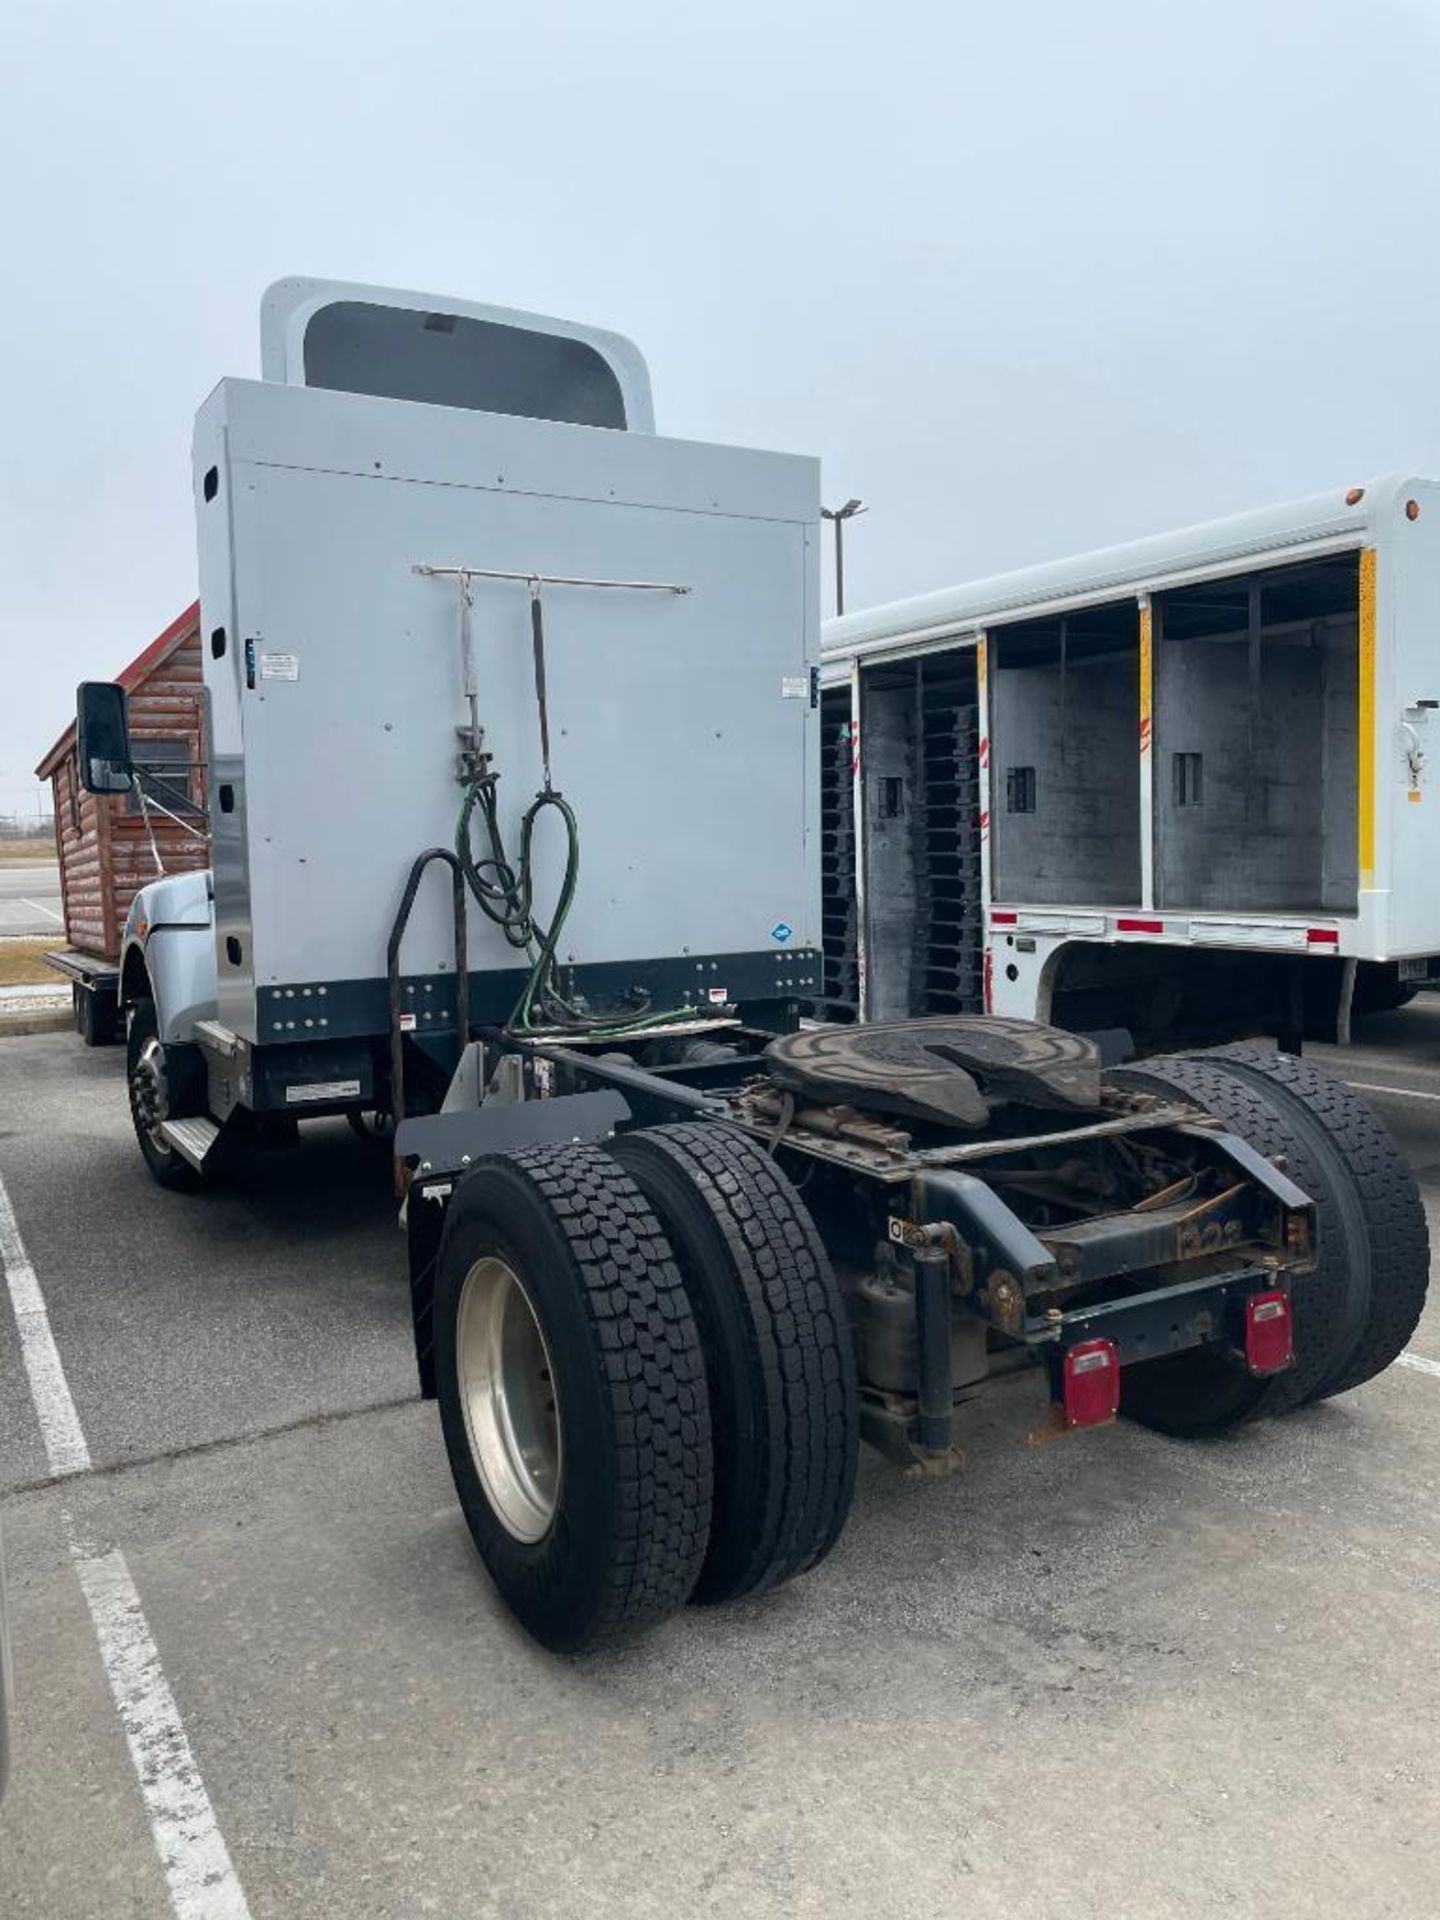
[{"x": 515, "y": 748}]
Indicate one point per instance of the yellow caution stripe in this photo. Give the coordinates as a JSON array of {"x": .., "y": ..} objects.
[
  {"x": 1365, "y": 754},
  {"x": 1146, "y": 679}
]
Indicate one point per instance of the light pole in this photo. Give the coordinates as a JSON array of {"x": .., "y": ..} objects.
[{"x": 839, "y": 515}]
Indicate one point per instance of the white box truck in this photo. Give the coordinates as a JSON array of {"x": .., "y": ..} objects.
[{"x": 1181, "y": 788}]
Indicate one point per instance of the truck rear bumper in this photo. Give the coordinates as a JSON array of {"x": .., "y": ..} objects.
[{"x": 1168, "y": 1319}]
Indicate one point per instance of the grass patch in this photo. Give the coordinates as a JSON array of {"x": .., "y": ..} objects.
[
  {"x": 21, "y": 964},
  {"x": 12, "y": 852}
]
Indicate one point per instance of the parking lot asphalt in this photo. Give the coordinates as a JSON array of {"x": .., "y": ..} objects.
[
  {"x": 1112, "y": 1675},
  {"x": 30, "y": 899}
]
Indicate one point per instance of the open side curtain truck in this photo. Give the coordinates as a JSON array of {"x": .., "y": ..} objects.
[{"x": 1191, "y": 797}]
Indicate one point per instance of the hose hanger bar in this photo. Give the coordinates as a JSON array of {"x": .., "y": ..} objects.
[
  {"x": 533, "y": 580},
  {"x": 462, "y": 576},
  {"x": 504, "y": 888}
]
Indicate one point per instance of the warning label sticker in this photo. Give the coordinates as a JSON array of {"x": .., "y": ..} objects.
[
  {"x": 324, "y": 1090},
  {"x": 279, "y": 666}
]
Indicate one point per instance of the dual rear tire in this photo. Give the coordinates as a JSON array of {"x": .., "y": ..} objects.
[
  {"x": 779, "y": 1365},
  {"x": 1354, "y": 1313},
  {"x": 643, "y": 1361},
  {"x": 645, "y": 1381}
]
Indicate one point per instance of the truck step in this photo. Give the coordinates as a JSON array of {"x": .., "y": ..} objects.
[
  {"x": 216, "y": 1038},
  {"x": 192, "y": 1139}
]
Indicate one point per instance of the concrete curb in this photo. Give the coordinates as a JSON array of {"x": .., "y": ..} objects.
[{"x": 14, "y": 1026}]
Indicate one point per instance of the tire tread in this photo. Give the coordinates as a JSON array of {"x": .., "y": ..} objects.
[
  {"x": 1390, "y": 1201},
  {"x": 799, "y": 1351},
  {"x": 652, "y": 1370}
]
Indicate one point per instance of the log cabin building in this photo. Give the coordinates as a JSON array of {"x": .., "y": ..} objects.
[{"x": 103, "y": 841}]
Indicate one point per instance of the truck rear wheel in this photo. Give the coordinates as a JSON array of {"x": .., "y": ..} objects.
[
  {"x": 1394, "y": 1239},
  {"x": 1355, "y": 1311},
  {"x": 572, "y": 1395},
  {"x": 784, "y": 1405}
]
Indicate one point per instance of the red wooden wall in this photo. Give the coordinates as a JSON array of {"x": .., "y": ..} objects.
[{"x": 104, "y": 848}]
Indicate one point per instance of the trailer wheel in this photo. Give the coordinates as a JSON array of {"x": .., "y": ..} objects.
[
  {"x": 1354, "y": 1312},
  {"x": 146, "y": 1075},
  {"x": 572, "y": 1395},
  {"x": 783, "y": 1399}
]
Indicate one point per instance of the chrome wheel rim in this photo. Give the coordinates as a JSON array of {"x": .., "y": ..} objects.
[
  {"x": 147, "y": 1089},
  {"x": 507, "y": 1389}
]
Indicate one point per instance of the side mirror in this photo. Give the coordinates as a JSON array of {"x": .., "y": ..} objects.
[{"x": 103, "y": 731}]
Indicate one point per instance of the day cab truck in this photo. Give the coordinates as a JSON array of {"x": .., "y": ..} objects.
[
  {"x": 514, "y": 747},
  {"x": 1182, "y": 791}
]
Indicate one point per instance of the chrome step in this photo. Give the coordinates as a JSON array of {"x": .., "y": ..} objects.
[
  {"x": 192, "y": 1139},
  {"x": 217, "y": 1038}
]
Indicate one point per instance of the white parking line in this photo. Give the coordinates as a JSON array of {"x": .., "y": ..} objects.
[
  {"x": 202, "y": 1881},
  {"x": 197, "y": 1866},
  {"x": 1405, "y": 1093},
  {"x": 1419, "y": 1363},
  {"x": 40, "y": 907},
  {"x": 60, "y": 1427}
]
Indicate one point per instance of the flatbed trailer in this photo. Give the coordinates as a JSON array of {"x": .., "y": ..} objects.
[
  {"x": 673, "y": 1252},
  {"x": 94, "y": 993}
]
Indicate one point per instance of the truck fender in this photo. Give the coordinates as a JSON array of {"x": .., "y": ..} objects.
[{"x": 168, "y": 954}]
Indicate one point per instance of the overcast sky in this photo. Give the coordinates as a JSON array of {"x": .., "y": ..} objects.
[{"x": 1028, "y": 278}]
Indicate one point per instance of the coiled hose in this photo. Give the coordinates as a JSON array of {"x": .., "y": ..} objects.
[{"x": 505, "y": 893}]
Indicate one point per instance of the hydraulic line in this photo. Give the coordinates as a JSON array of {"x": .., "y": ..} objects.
[{"x": 504, "y": 889}]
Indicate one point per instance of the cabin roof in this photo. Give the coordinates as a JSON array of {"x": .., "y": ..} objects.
[{"x": 131, "y": 677}]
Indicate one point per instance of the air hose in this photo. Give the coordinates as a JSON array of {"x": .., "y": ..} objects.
[
  {"x": 505, "y": 893},
  {"x": 504, "y": 890}
]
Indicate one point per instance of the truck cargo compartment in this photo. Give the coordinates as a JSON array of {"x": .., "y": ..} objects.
[
  {"x": 1064, "y": 729},
  {"x": 1256, "y": 703}
]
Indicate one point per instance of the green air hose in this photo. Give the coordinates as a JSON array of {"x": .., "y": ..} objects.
[{"x": 505, "y": 893}]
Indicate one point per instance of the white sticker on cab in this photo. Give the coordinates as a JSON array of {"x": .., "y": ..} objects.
[{"x": 324, "y": 1090}]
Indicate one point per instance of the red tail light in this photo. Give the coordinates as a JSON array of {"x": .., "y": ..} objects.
[
  {"x": 1269, "y": 1333},
  {"x": 1090, "y": 1383}
]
